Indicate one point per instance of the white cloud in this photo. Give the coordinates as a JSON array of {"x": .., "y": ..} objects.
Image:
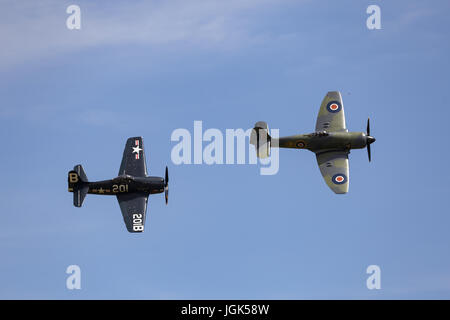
[{"x": 31, "y": 29}]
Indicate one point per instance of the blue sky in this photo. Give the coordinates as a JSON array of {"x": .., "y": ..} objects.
[{"x": 149, "y": 67}]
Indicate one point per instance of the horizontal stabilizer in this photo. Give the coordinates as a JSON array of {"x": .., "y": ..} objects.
[
  {"x": 261, "y": 139},
  {"x": 79, "y": 194},
  {"x": 78, "y": 184},
  {"x": 79, "y": 170}
]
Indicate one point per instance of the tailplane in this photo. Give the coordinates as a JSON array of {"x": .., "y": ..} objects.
[
  {"x": 78, "y": 184},
  {"x": 261, "y": 139}
]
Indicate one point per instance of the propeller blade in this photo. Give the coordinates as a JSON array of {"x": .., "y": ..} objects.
[
  {"x": 368, "y": 151},
  {"x": 166, "y": 186},
  {"x": 368, "y": 126},
  {"x": 167, "y": 176}
]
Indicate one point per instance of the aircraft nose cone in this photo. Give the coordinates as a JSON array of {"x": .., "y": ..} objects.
[{"x": 370, "y": 139}]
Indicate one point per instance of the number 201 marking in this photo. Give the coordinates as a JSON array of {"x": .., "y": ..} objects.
[{"x": 120, "y": 188}]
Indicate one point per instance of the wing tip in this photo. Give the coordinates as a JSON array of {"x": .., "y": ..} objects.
[
  {"x": 134, "y": 138},
  {"x": 343, "y": 189},
  {"x": 334, "y": 95}
]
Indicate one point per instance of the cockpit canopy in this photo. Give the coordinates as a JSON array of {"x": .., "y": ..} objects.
[
  {"x": 123, "y": 178},
  {"x": 319, "y": 134}
]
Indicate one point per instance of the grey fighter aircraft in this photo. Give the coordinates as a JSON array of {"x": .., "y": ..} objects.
[
  {"x": 331, "y": 142},
  {"x": 132, "y": 187}
]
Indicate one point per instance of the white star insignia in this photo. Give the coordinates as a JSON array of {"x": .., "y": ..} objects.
[{"x": 136, "y": 149}]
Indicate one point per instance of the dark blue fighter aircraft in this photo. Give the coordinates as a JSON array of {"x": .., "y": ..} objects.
[{"x": 132, "y": 186}]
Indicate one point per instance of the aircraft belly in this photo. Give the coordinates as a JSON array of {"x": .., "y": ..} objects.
[{"x": 327, "y": 143}]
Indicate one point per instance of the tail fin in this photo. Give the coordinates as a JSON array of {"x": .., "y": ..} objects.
[
  {"x": 78, "y": 184},
  {"x": 260, "y": 138}
]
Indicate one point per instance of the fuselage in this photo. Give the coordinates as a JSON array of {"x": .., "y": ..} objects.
[
  {"x": 127, "y": 184},
  {"x": 323, "y": 140}
]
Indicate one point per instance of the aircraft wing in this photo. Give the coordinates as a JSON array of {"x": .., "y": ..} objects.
[
  {"x": 331, "y": 114},
  {"x": 133, "y": 160},
  {"x": 133, "y": 207},
  {"x": 334, "y": 169}
]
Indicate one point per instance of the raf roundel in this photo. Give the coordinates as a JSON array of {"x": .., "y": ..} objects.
[
  {"x": 339, "y": 178},
  {"x": 300, "y": 144},
  {"x": 334, "y": 106}
]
